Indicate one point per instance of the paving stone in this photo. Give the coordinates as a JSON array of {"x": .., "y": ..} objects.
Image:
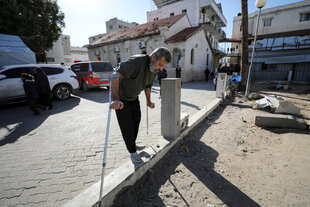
[{"x": 70, "y": 158}]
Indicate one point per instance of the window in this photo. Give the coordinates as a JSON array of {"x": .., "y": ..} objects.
[
  {"x": 120, "y": 26},
  {"x": 118, "y": 58},
  {"x": 101, "y": 67},
  {"x": 171, "y": 14},
  {"x": 184, "y": 11},
  {"x": 49, "y": 59},
  {"x": 304, "y": 17},
  {"x": 94, "y": 38},
  {"x": 207, "y": 59},
  {"x": 192, "y": 56},
  {"x": 155, "y": 19},
  {"x": 267, "y": 22},
  {"x": 111, "y": 27},
  {"x": 15, "y": 72},
  {"x": 52, "y": 71}
]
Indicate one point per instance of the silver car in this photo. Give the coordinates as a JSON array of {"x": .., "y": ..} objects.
[{"x": 62, "y": 81}]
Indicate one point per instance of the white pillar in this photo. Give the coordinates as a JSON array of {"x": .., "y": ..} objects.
[
  {"x": 221, "y": 85},
  {"x": 170, "y": 107}
]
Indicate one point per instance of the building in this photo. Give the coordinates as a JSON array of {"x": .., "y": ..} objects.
[
  {"x": 189, "y": 46},
  {"x": 95, "y": 38},
  {"x": 206, "y": 13},
  {"x": 193, "y": 42},
  {"x": 79, "y": 54},
  {"x": 62, "y": 52},
  {"x": 282, "y": 50},
  {"x": 115, "y": 24}
]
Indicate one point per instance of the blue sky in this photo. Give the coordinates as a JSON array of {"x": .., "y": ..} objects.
[{"x": 85, "y": 18}]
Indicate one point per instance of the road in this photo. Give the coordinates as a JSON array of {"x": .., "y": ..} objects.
[{"x": 47, "y": 160}]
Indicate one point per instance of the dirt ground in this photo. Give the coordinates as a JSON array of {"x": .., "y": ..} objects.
[{"x": 228, "y": 161}]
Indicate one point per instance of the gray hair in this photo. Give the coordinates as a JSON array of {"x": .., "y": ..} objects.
[{"x": 162, "y": 52}]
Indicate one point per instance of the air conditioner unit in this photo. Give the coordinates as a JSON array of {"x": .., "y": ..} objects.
[
  {"x": 116, "y": 49},
  {"x": 97, "y": 52},
  {"x": 141, "y": 44}
]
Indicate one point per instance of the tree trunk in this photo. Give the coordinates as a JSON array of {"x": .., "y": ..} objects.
[{"x": 244, "y": 42}]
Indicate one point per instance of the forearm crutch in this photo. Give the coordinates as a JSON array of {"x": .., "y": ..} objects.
[
  {"x": 105, "y": 149},
  {"x": 147, "y": 119}
]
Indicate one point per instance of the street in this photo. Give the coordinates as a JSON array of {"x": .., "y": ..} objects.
[{"x": 48, "y": 159}]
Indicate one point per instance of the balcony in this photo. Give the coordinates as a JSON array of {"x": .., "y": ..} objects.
[{"x": 212, "y": 27}]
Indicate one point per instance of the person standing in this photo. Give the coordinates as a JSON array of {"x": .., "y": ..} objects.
[
  {"x": 161, "y": 75},
  {"x": 207, "y": 72},
  {"x": 31, "y": 93},
  {"x": 43, "y": 88},
  {"x": 131, "y": 77},
  {"x": 178, "y": 72}
]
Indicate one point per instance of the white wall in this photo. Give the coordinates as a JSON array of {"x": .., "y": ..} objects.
[{"x": 60, "y": 51}]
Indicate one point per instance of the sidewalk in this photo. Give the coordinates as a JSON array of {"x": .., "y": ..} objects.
[{"x": 59, "y": 155}]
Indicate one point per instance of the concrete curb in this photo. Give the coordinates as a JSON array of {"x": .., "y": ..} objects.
[{"x": 127, "y": 174}]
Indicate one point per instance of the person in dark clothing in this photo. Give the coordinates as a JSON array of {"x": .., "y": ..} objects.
[
  {"x": 131, "y": 77},
  {"x": 31, "y": 93},
  {"x": 161, "y": 75},
  {"x": 178, "y": 72},
  {"x": 43, "y": 88},
  {"x": 207, "y": 72}
]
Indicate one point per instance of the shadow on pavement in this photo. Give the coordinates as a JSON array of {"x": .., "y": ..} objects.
[
  {"x": 100, "y": 95},
  {"x": 199, "y": 159},
  {"x": 190, "y": 105},
  {"x": 200, "y": 85},
  {"x": 17, "y": 120}
]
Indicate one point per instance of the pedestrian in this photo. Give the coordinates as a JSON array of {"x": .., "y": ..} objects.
[
  {"x": 31, "y": 93},
  {"x": 207, "y": 72},
  {"x": 161, "y": 75},
  {"x": 218, "y": 70},
  {"x": 178, "y": 72},
  {"x": 43, "y": 88},
  {"x": 132, "y": 76}
]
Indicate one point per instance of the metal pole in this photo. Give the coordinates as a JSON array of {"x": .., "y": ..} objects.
[
  {"x": 147, "y": 119},
  {"x": 248, "y": 84},
  {"x": 105, "y": 149}
]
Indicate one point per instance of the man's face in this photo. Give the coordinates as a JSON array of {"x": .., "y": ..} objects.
[{"x": 157, "y": 65}]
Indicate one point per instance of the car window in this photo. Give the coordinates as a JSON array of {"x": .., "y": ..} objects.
[
  {"x": 52, "y": 71},
  {"x": 82, "y": 67},
  {"x": 15, "y": 72},
  {"x": 101, "y": 67}
]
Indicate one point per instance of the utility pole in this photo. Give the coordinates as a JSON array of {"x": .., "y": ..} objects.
[{"x": 244, "y": 42}]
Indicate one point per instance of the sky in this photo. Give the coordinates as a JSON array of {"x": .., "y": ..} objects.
[{"x": 85, "y": 18}]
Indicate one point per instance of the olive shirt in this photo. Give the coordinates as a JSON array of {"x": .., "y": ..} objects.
[{"x": 136, "y": 77}]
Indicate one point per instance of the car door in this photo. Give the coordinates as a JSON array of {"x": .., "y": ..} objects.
[{"x": 12, "y": 85}]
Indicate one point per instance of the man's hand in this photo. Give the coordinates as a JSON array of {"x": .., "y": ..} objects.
[
  {"x": 151, "y": 105},
  {"x": 117, "y": 105}
]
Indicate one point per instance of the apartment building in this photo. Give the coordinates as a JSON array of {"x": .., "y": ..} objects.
[{"x": 282, "y": 48}]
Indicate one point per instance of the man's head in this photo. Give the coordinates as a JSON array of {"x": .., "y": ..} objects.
[{"x": 160, "y": 57}]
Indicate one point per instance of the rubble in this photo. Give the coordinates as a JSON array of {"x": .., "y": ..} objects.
[{"x": 280, "y": 121}]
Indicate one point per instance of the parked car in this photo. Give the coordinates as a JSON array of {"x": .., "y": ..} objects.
[
  {"x": 92, "y": 74},
  {"x": 62, "y": 81}
]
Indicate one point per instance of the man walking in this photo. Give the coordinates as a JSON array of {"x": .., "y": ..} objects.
[{"x": 134, "y": 75}]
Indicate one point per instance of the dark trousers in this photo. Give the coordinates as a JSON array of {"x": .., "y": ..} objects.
[
  {"x": 129, "y": 119},
  {"x": 45, "y": 99}
]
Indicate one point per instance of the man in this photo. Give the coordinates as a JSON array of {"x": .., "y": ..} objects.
[
  {"x": 207, "y": 73},
  {"x": 134, "y": 75},
  {"x": 178, "y": 72}
]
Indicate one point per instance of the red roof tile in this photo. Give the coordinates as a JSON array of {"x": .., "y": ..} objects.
[
  {"x": 138, "y": 31},
  {"x": 183, "y": 35}
]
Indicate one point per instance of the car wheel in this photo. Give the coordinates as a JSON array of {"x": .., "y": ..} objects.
[
  {"x": 85, "y": 86},
  {"x": 62, "y": 92}
]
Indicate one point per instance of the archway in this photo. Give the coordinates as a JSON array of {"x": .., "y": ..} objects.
[{"x": 176, "y": 57}]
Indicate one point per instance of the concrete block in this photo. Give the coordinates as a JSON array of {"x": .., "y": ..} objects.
[
  {"x": 280, "y": 121},
  {"x": 170, "y": 107},
  {"x": 286, "y": 107},
  {"x": 221, "y": 85}
]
